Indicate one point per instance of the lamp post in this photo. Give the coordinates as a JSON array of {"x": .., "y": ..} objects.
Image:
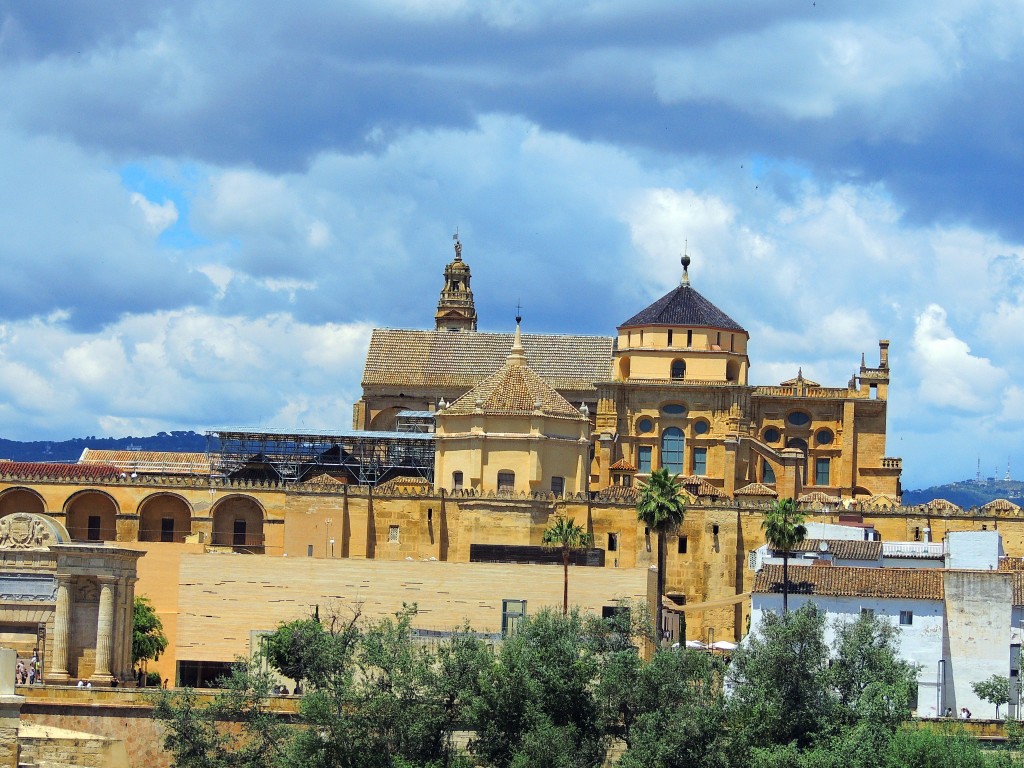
[{"x": 329, "y": 539}]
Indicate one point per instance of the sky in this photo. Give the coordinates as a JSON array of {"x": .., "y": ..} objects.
[{"x": 205, "y": 207}]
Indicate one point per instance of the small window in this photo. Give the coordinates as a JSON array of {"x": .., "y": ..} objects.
[
  {"x": 718, "y": 339},
  {"x": 772, "y": 435},
  {"x": 309, "y": 550},
  {"x": 613, "y": 542},
  {"x": 644, "y": 426},
  {"x": 701, "y": 427},
  {"x": 768, "y": 474},
  {"x": 93, "y": 528},
  {"x": 798, "y": 419},
  {"x": 557, "y": 485},
  {"x": 732, "y": 342},
  {"x": 821, "y": 471},
  {"x": 670, "y": 337},
  {"x": 643, "y": 460},
  {"x": 456, "y": 481},
  {"x": 917, "y": 533},
  {"x": 824, "y": 437},
  {"x": 512, "y": 612},
  {"x": 906, "y": 618},
  {"x": 506, "y": 481},
  {"x": 869, "y": 612},
  {"x": 700, "y": 461},
  {"x": 681, "y": 546},
  {"x": 392, "y": 534},
  {"x": 689, "y": 338},
  {"x": 166, "y": 529},
  {"x": 984, "y": 527},
  {"x": 678, "y": 369},
  {"x": 673, "y": 409}
]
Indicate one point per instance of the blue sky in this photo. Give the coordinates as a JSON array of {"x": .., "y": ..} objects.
[{"x": 207, "y": 206}]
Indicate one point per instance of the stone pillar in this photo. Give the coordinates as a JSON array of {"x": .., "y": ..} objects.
[
  {"x": 61, "y": 642},
  {"x": 105, "y": 629},
  {"x": 10, "y": 710}
]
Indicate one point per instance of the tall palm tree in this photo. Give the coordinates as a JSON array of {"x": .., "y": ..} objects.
[
  {"x": 660, "y": 506},
  {"x": 565, "y": 534},
  {"x": 784, "y": 529}
]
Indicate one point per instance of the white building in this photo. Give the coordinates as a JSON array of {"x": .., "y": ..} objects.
[{"x": 959, "y": 624}]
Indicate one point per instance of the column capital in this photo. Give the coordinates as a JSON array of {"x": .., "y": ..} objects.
[{"x": 107, "y": 579}]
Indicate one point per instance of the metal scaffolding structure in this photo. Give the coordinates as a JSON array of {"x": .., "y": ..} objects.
[{"x": 362, "y": 457}]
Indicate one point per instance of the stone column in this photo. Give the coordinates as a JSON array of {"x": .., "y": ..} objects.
[
  {"x": 61, "y": 641},
  {"x": 105, "y": 629}
]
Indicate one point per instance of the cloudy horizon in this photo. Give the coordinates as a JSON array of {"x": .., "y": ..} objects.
[{"x": 208, "y": 206}]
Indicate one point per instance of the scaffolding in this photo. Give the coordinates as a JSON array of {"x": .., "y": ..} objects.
[{"x": 360, "y": 456}]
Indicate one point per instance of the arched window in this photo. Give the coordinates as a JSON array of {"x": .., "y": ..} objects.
[
  {"x": 678, "y": 369},
  {"x": 732, "y": 371},
  {"x": 672, "y": 450},
  {"x": 506, "y": 481}
]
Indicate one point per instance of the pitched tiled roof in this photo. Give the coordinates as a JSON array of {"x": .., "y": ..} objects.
[
  {"x": 684, "y": 306},
  {"x": 942, "y": 505},
  {"x": 756, "y": 489},
  {"x": 1000, "y": 505},
  {"x": 880, "y": 501},
  {"x": 461, "y": 359},
  {"x": 162, "y": 462},
  {"x": 700, "y": 486},
  {"x": 818, "y": 497},
  {"x": 515, "y": 390},
  {"x": 844, "y": 549},
  {"x": 850, "y": 581},
  {"x": 622, "y": 465},
  {"x": 55, "y": 470}
]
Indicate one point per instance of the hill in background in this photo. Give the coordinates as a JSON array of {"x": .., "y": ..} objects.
[
  {"x": 969, "y": 493},
  {"x": 71, "y": 450}
]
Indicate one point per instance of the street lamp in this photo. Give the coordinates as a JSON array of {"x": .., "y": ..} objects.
[{"x": 328, "y": 521}]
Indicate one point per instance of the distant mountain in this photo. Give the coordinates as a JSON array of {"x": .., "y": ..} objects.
[
  {"x": 71, "y": 450},
  {"x": 969, "y": 493}
]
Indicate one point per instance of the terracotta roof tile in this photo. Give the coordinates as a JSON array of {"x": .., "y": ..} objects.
[
  {"x": 55, "y": 470},
  {"x": 850, "y": 581},
  {"x": 941, "y": 505},
  {"x": 461, "y": 359},
  {"x": 756, "y": 489},
  {"x": 513, "y": 390},
  {"x": 622, "y": 465},
  {"x": 818, "y": 497},
  {"x": 162, "y": 462},
  {"x": 700, "y": 486},
  {"x": 683, "y": 306},
  {"x": 844, "y": 549},
  {"x": 1000, "y": 505},
  {"x": 880, "y": 501}
]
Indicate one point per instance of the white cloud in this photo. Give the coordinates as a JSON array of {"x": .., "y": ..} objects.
[
  {"x": 949, "y": 375},
  {"x": 158, "y": 216}
]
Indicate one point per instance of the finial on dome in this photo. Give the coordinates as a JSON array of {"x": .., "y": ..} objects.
[
  {"x": 685, "y": 261},
  {"x": 458, "y": 245},
  {"x": 800, "y": 373},
  {"x": 518, "y": 355}
]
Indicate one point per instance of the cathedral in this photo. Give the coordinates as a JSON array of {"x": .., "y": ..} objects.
[{"x": 669, "y": 389}]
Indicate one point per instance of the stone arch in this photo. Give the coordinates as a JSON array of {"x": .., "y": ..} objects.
[
  {"x": 238, "y": 523},
  {"x": 91, "y": 515},
  {"x": 164, "y": 517},
  {"x": 385, "y": 420},
  {"x": 21, "y": 500},
  {"x": 677, "y": 370},
  {"x": 732, "y": 370},
  {"x": 624, "y": 367}
]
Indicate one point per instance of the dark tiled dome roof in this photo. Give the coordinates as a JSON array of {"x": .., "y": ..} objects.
[{"x": 684, "y": 306}]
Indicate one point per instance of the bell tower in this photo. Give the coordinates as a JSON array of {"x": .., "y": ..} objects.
[{"x": 455, "y": 310}]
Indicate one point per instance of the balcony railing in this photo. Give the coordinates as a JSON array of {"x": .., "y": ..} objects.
[
  {"x": 238, "y": 540},
  {"x": 913, "y": 549}
]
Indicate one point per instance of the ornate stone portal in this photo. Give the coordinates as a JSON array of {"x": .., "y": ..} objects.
[{"x": 76, "y": 600}]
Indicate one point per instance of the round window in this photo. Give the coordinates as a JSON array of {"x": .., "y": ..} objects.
[
  {"x": 798, "y": 419},
  {"x": 673, "y": 409},
  {"x": 644, "y": 426},
  {"x": 701, "y": 427},
  {"x": 824, "y": 437},
  {"x": 771, "y": 435}
]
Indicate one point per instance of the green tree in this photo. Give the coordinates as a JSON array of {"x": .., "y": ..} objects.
[
  {"x": 148, "y": 638},
  {"x": 915, "y": 747},
  {"x": 784, "y": 529},
  {"x": 565, "y": 534},
  {"x": 994, "y": 690},
  {"x": 661, "y": 508}
]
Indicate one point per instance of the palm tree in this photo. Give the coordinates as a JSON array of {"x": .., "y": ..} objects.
[
  {"x": 784, "y": 529},
  {"x": 661, "y": 507},
  {"x": 566, "y": 534}
]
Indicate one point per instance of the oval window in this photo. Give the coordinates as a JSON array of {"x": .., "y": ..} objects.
[
  {"x": 824, "y": 437},
  {"x": 798, "y": 419},
  {"x": 771, "y": 435},
  {"x": 701, "y": 427},
  {"x": 644, "y": 426},
  {"x": 673, "y": 409}
]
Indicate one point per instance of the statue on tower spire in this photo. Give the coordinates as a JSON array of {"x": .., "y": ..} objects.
[
  {"x": 685, "y": 261},
  {"x": 455, "y": 309}
]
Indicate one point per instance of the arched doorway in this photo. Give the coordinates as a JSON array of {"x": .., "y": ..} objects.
[
  {"x": 238, "y": 523},
  {"x": 91, "y": 516},
  {"x": 164, "y": 517},
  {"x": 21, "y": 500}
]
